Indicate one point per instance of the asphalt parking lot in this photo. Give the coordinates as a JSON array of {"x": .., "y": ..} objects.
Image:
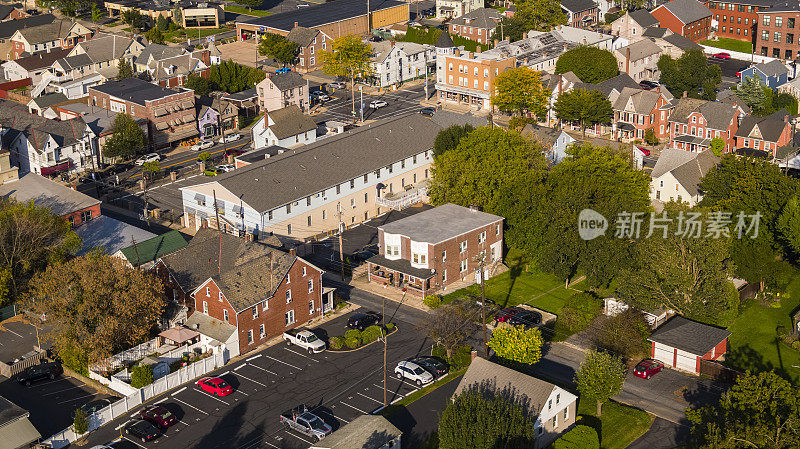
[
  {"x": 729, "y": 67},
  {"x": 336, "y": 386},
  {"x": 16, "y": 339}
]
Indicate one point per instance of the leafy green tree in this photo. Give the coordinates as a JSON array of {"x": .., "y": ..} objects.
[
  {"x": 448, "y": 138},
  {"x": 204, "y": 156},
  {"x": 252, "y": 4},
  {"x": 785, "y": 101},
  {"x": 198, "y": 84},
  {"x": 584, "y": 107},
  {"x": 650, "y": 136},
  {"x": 760, "y": 411},
  {"x": 277, "y": 47},
  {"x": 517, "y": 344},
  {"x": 97, "y": 13},
  {"x": 177, "y": 16},
  {"x": 154, "y": 35},
  {"x": 540, "y": 15},
  {"x": 31, "y": 238},
  {"x": 162, "y": 23},
  {"x": 512, "y": 28},
  {"x": 600, "y": 377},
  {"x": 231, "y": 77},
  {"x": 689, "y": 73},
  {"x": 590, "y": 64},
  {"x": 789, "y": 225},
  {"x": 80, "y": 422},
  {"x": 151, "y": 167},
  {"x": 127, "y": 140},
  {"x": 579, "y": 437},
  {"x": 141, "y": 375},
  {"x": 483, "y": 418},
  {"x": 520, "y": 90},
  {"x": 751, "y": 91},
  {"x": 124, "y": 69},
  {"x": 625, "y": 335},
  {"x": 348, "y": 57},
  {"x": 133, "y": 18},
  {"x": 450, "y": 325},
  {"x": 717, "y": 146}
]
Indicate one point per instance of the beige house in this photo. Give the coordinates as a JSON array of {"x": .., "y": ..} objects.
[
  {"x": 639, "y": 60},
  {"x": 279, "y": 90},
  {"x": 633, "y": 24},
  {"x": 677, "y": 174}
]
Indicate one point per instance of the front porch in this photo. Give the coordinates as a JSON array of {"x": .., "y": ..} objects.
[
  {"x": 400, "y": 275},
  {"x": 409, "y": 196},
  {"x": 687, "y": 142}
]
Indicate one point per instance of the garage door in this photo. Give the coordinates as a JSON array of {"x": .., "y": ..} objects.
[
  {"x": 686, "y": 361},
  {"x": 664, "y": 354}
]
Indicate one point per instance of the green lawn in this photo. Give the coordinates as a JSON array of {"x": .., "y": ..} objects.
[
  {"x": 726, "y": 43},
  {"x": 619, "y": 424},
  {"x": 241, "y": 10},
  {"x": 518, "y": 286},
  {"x": 753, "y": 341}
]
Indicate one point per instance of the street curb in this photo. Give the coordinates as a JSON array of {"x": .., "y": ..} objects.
[{"x": 332, "y": 351}]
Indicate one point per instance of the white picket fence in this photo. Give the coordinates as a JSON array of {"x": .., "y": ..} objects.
[
  {"x": 133, "y": 354},
  {"x": 708, "y": 49},
  {"x": 160, "y": 386}
]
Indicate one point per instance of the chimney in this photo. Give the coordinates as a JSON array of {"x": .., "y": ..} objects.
[
  {"x": 295, "y": 24},
  {"x": 496, "y": 42},
  {"x": 685, "y": 94},
  {"x": 628, "y": 60},
  {"x": 786, "y": 118},
  {"x": 478, "y": 49},
  {"x": 473, "y": 354},
  {"x": 471, "y": 54},
  {"x": 293, "y": 252},
  {"x": 391, "y": 43},
  {"x": 525, "y": 35},
  {"x": 456, "y": 52}
]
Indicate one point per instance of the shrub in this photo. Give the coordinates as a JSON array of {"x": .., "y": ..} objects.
[
  {"x": 577, "y": 313},
  {"x": 390, "y": 327},
  {"x": 371, "y": 334},
  {"x": 80, "y": 424},
  {"x": 462, "y": 357},
  {"x": 517, "y": 123},
  {"x": 439, "y": 351},
  {"x": 75, "y": 359},
  {"x": 432, "y": 301},
  {"x": 624, "y": 335},
  {"x": 336, "y": 342},
  {"x": 141, "y": 375},
  {"x": 579, "y": 437},
  {"x": 352, "y": 343},
  {"x": 353, "y": 334}
]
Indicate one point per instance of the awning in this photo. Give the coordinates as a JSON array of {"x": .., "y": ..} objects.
[
  {"x": 20, "y": 433},
  {"x": 160, "y": 111},
  {"x": 162, "y": 126},
  {"x": 626, "y": 126},
  {"x": 55, "y": 169},
  {"x": 188, "y": 118},
  {"x": 402, "y": 266},
  {"x": 179, "y": 334}
]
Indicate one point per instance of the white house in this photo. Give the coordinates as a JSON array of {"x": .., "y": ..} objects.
[
  {"x": 396, "y": 62},
  {"x": 285, "y": 127},
  {"x": 451, "y": 9},
  {"x": 677, "y": 173}
]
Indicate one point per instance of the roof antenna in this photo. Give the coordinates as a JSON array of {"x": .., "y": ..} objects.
[{"x": 219, "y": 230}]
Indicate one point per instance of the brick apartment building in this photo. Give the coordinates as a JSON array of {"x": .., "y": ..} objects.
[
  {"x": 693, "y": 123},
  {"x": 310, "y": 42},
  {"x": 778, "y": 31},
  {"x": 170, "y": 112},
  {"x": 689, "y": 18},
  {"x": 581, "y": 13},
  {"x": 478, "y": 25},
  {"x": 424, "y": 253},
  {"x": 737, "y": 19}
]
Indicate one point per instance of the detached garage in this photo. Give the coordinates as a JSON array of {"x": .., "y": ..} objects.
[{"x": 682, "y": 343}]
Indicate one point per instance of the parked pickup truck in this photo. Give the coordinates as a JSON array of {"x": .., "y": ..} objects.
[
  {"x": 303, "y": 421},
  {"x": 305, "y": 339}
]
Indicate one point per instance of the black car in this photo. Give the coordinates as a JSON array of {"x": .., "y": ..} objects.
[
  {"x": 647, "y": 85},
  {"x": 39, "y": 372},
  {"x": 433, "y": 365},
  {"x": 141, "y": 429},
  {"x": 362, "y": 321},
  {"x": 95, "y": 406},
  {"x": 428, "y": 111},
  {"x": 527, "y": 318}
]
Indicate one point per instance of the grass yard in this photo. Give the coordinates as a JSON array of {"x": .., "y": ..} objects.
[
  {"x": 727, "y": 43},
  {"x": 518, "y": 286},
  {"x": 619, "y": 424},
  {"x": 242, "y": 10},
  {"x": 753, "y": 342}
]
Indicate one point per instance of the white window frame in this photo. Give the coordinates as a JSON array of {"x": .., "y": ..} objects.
[
  {"x": 255, "y": 312},
  {"x": 288, "y": 296},
  {"x": 262, "y": 333},
  {"x": 286, "y": 317},
  {"x": 205, "y": 307},
  {"x": 225, "y": 316},
  {"x": 310, "y": 285}
]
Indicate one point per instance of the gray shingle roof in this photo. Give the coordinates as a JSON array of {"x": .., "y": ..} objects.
[
  {"x": 298, "y": 173},
  {"x": 364, "y": 432},
  {"x": 717, "y": 114},
  {"x": 785, "y": 6},
  {"x": 41, "y": 60},
  {"x": 485, "y": 18},
  {"x": 644, "y": 101},
  {"x": 210, "y": 326},
  {"x": 288, "y": 80},
  {"x": 109, "y": 234},
  {"x": 687, "y": 167},
  {"x": 325, "y": 13},
  {"x": 687, "y": 11},
  {"x": 290, "y": 121},
  {"x": 690, "y": 336},
  {"x": 440, "y": 223},
  {"x": 249, "y": 283},
  {"x": 546, "y": 136},
  {"x": 772, "y": 68},
  {"x": 45, "y": 101},
  {"x": 106, "y": 47},
  {"x": 618, "y": 83},
  {"x": 302, "y": 36},
  {"x": 157, "y": 52},
  {"x": 61, "y": 200},
  {"x": 134, "y": 90},
  {"x": 770, "y": 127},
  {"x": 643, "y": 18},
  {"x": 444, "y": 41},
  {"x": 576, "y": 6},
  {"x": 9, "y": 27},
  {"x": 73, "y": 62},
  {"x": 655, "y": 32},
  {"x": 17, "y": 118},
  {"x": 46, "y": 33},
  {"x": 640, "y": 49},
  {"x": 682, "y": 42}
]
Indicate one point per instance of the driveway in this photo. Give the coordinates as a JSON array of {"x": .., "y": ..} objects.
[{"x": 663, "y": 434}]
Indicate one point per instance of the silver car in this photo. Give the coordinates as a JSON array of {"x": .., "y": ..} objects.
[{"x": 413, "y": 372}]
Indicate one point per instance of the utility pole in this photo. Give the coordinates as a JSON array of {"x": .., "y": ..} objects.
[
  {"x": 385, "y": 351},
  {"x": 341, "y": 227},
  {"x": 481, "y": 258}
]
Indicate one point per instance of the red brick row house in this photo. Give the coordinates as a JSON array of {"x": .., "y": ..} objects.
[
  {"x": 636, "y": 110},
  {"x": 311, "y": 43},
  {"x": 765, "y": 134},
  {"x": 694, "y": 123},
  {"x": 689, "y": 18},
  {"x": 479, "y": 25},
  {"x": 581, "y": 13}
]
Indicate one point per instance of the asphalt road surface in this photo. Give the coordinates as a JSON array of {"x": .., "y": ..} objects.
[{"x": 401, "y": 102}]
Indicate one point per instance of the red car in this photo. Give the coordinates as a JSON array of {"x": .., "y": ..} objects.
[
  {"x": 215, "y": 385},
  {"x": 647, "y": 368},
  {"x": 722, "y": 55},
  {"x": 159, "y": 416},
  {"x": 738, "y": 74},
  {"x": 506, "y": 314},
  {"x": 644, "y": 151}
]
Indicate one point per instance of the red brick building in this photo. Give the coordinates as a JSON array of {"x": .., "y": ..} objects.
[
  {"x": 311, "y": 42},
  {"x": 637, "y": 110},
  {"x": 12, "y": 12},
  {"x": 581, "y": 13},
  {"x": 689, "y": 18},
  {"x": 779, "y": 31},
  {"x": 765, "y": 134},
  {"x": 737, "y": 19},
  {"x": 693, "y": 123},
  {"x": 479, "y": 25},
  {"x": 424, "y": 253}
]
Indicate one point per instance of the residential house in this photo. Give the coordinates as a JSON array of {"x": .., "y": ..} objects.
[
  {"x": 174, "y": 71},
  {"x": 9, "y": 27},
  {"x": 671, "y": 44},
  {"x": 246, "y": 101},
  {"x": 766, "y": 134},
  {"x": 453, "y": 9},
  {"x": 299, "y": 194},
  {"x": 33, "y": 66},
  {"x": 170, "y": 112},
  {"x": 18, "y": 432},
  {"x": 637, "y": 110},
  {"x": 633, "y": 24},
  {"x": 693, "y": 123},
  {"x": 677, "y": 174},
  {"x": 689, "y": 18},
  {"x": 364, "y": 432},
  {"x": 684, "y": 344},
  {"x": 153, "y": 53},
  {"x": 279, "y": 90},
  {"x": 76, "y": 207},
  {"x": 286, "y": 127},
  {"x": 213, "y": 113},
  {"x": 581, "y": 13},
  {"x": 43, "y": 106},
  {"x": 59, "y": 34},
  {"x": 394, "y": 63},
  {"x": 792, "y": 87},
  {"x": 771, "y": 74},
  {"x": 214, "y": 54},
  {"x": 145, "y": 253},
  {"x": 44, "y": 146},
  {"x": 582, "y": 36},
  {"x": 737, "y": 19},
  {"x": 478, "y": 25},
  {"x": 468, "y": 77},
  {"x": 554, "y": 141},
  {"x": 12, "y": 12},
  {"x": 554, "y": 408},
  {"x": 109, "y": 235},
  {"x": 639, "y": 60},
  {"x": 775, "y": 35},
  {"x": 611, "y": 88},
  {"x": 310, "y": 42},
  {"x": 424, "y": 253},
  {"x": 99, "y": 124}
]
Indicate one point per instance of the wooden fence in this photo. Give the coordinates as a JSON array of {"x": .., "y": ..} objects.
[{"x": 718, "y": 371}]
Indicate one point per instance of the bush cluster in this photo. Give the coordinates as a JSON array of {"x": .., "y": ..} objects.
[
  {"x": 576, "y": 315},
  {"x": 336, "y": 343},
  {"x": 371, "y": 334},
  {"x": 462, "y": 356},
  {"x": 432, "y": 301}
]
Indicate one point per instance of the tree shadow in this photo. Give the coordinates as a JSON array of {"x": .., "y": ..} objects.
[
  {"x": 513, "y": 273},
  {"x": 745, "y": 358}
]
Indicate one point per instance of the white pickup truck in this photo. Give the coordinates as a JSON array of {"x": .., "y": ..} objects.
[{"x": 305, "y": 339}]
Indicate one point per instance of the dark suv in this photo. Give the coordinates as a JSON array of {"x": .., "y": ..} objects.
[
  {"x": 39, "y": 372},
  {"x": 362, "y": 321}
]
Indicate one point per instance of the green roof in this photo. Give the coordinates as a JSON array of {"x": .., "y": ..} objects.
[{"x": 151, "y": 249}]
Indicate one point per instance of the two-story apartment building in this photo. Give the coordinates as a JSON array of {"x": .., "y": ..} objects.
[
  {"x": 737, "y": 19},
  {"x": 693, "y": 123},
  {"x": 286, "y": 127},
  {"x": 334, "y": 182},
  {"x": 310, "y": 43},
  {"x": 777, "y": 32},
  {"x": 639, "y": 60},
  {"x": 425, "y": 252},
  {"x": 637, "y": 110},
  {"x": 689, "y": 18},
  {"x": 633, "y": 24},
  {"x": 170, "y": 112},
  {"x": 479, "y": 25},
  {"x": 581, "y": 13},
  {"x": 279, "y": 90},
  {"x": 396, "y": 62},
  {"x": 765, "y": 134},
  {"x": 453, "y": 9},
  {"x": 59, "y": 34}
]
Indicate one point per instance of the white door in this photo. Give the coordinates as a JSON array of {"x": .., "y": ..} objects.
[
  {"x": 664, "y": 354},
  {"x": 686, "y": 361}
]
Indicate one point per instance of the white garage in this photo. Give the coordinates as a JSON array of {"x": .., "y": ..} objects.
[{"x": 680, "y": 343}]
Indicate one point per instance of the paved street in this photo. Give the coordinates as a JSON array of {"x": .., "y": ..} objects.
[{"x": 400, "y": 102}]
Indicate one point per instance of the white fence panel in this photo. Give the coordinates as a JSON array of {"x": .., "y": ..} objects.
[
  {"x": 133, "y": 400},
  {"x": 119, "y": 408},
  {"x": 160, "y": 386}
]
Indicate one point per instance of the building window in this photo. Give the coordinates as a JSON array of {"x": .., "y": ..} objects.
[
  {"x": 444, "y": 256},
  {"x": 790, "y": 22},
  {"x": 309, "y": 220},
  {"x": 352, "y": 183},
  {"x": 482, "y": 237},
  {"x": 462, "y": 247},
  {"x": 777, "y": 36},
  {"x": 311, "y": 307},
  {"x": 765, "y": 35},
  {"x": 304, "y": 271},
  {"x": 366, "y": 179},
  {"x": 265, "y": 305},
  {"x": 289, "y": 317},
  {"x": 288, "y": 296},
  {"x": 463, "y": 265},
  {"x": 225, "y": 315},
  {"x": 555, "y": 422},
  {"x": 766, "y": 20},
  {"x": 310, "y": 285},
  {"x": 366, "y": 197},
  {"x": 353, "y": 203},
  {"x": 250, "y": 337},
  {"x": 255, "y": 312},
  {"x": 789, "y": 39},
  {"x": 778, "y": 21},
  {"x": 262, "y": 333},
  {"x": 205, "y": 307},
  {"x": 289, "y": 229}
]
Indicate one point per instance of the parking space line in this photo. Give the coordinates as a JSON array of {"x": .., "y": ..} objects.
[
  {"x": 301, "y": 355},
  {"x": 185, "y": 424},
  {"x": 281, "y": 361},
  {"x": 271, "y": 445},
  {"x": 252, "y": 380},
  {"x": 212, "y": 396},
  {"x": 240, "y": 367},
  {"x": 240, "y": 391},
  {"x": 18, "y": 335},
  {"x": 190, "y": 405},
  {"x": 363, "y": 395},
  {"x": 253, "y": 358},
  {"x": 403, "y": 381},
  {"x": 75, "y": 399},
  {"x": 52, "y": 381},
  {"x": 263, "y": 369},
  {"x": 173, "y": 394},
  {"x": 162, "y": 400},
  {"x": 356, "y": 408},
  {"x": 66, "y": 389},
  {"x": 298, "y": 437},
  {"x": 330, "y": 414},
  {"x": 130, "y": 440}
]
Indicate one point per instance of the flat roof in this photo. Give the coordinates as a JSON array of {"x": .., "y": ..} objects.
[
  {"x": 135, "y": 90},
  {"x": 61, "y": 200},
  {"x": 440, "y": 223},
  {"x": 325, "y": 13}
]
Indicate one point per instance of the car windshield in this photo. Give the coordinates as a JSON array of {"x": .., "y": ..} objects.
[
  {"x": 166, "y": 414},
  {"x": 222, "y": 385},
  {"x": 316, "y": 423},
  {"x": 312, "y": 338},
  {"x": 418, "y": 371}
]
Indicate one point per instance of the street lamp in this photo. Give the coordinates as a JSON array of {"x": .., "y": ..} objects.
[{"x": 361, "y": 91}]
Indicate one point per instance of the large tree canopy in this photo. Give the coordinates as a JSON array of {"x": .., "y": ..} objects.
[
  {"x": 128, "y": 139},
  {"x": 584, "y": 107},
  {"x": 590, "y": 64},
  {"x": 277, "y": 47},
  {"x": 232, "y": 77},
  {"x": 520, "y": 90},
  {"x": 689, "y": 74},
  {"x": 540, "y": 15},
  {"x": 448, "y": 138},
  {"x": 348, "y": 57}
]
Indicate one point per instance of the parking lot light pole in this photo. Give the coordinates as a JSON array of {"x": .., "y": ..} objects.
[{"x": 361, "y": 91}]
